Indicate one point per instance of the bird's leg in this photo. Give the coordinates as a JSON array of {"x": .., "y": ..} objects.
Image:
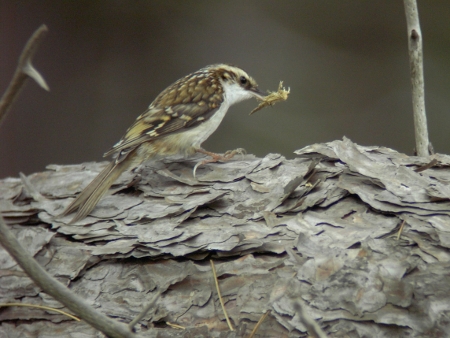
[{"x": 217, "y": 157}]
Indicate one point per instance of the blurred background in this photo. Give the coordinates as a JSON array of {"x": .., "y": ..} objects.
[{"x": 346, "y": 63}]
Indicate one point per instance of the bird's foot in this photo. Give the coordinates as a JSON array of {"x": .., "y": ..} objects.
[{"x": 217, "y": 157}]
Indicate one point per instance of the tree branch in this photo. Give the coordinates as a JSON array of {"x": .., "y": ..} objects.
[
  {"x": 23, "y": 71},
  {"x": 51, "y": 286},
  {"x": 416, "y": 67},
  {"x": 57, "y": 290}
]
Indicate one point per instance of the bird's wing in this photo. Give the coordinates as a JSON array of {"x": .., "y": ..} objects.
[{"x": 157, "y": 122}]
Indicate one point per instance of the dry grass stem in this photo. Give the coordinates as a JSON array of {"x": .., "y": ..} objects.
[
  {"x": 401, "y": 230},
  {"x": 40, "y": 307},
  {"x": 220, "y": 295},
  {"x": 258, "y": 324},
  {"x": 175, "y": 326}
]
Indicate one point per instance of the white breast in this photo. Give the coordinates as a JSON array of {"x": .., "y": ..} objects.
[
  {"x": 185, "y": 141},
  {"x": 199, "y": 134},
  {"x": 233, "y": 93}
]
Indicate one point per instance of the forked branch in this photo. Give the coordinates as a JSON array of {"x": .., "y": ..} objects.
[
  {"x": 23, "y": 71},
  {"x": 50, "y": 285}
]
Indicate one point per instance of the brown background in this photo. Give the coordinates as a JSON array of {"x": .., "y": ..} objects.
[{"x": 345, "y": 61}]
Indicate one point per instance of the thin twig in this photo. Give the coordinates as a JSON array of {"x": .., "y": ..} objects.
[
  {"x": 314, "y": 330},
  {"x": 429, "y": 165},
  {"x": 42, "y": 307},
  {"x": 417, "y": 82},
  {"x": 258, "y": 324},
  {"x": 23, "y": 71},
  {"x": 57, "y": 290},
  {"x": 401, "y": 229},
  {"x": 144, "y": 311},
  {"x": 175, "y": 326},
  {"x": 32, "y": 191},
  {"x": 286, "y": 290},
  {"x": 220, "y": 295},
  {"x": 48, "y": 284}
]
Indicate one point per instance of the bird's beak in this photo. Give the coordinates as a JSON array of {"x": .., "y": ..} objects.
[{"x": 258, "y": 93}]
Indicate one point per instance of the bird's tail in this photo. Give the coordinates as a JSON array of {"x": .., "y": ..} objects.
[{"x": 89, "y": 197}]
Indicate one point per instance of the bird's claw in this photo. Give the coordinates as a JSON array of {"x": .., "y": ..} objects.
[
  {"x": 217, "y": 157},
  {"x": 230, "y": 153},
  {"x": 196, "y": 166}
]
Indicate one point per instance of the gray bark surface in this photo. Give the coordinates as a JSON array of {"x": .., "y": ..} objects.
[{"x": 319, "y": 230}]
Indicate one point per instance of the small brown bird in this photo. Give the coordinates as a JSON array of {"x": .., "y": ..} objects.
[{"x": 178, "y": 121}]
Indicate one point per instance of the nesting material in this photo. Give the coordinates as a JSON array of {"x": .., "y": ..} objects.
[{"x": 280, "y": 95}]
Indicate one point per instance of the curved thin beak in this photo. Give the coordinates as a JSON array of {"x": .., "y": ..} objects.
[{"x": 258, "y": 93}]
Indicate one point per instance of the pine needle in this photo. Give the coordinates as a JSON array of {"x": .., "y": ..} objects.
[{"x": 220, "y": 295}]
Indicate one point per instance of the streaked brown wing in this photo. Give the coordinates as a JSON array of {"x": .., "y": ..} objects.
[{"x": 157, "y": 122}]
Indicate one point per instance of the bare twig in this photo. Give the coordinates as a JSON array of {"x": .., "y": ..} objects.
[
  {"x": 57, "y": 290},
  {"x": 286, "y": 290},
  {"x": 258, "y": 324},
  {"x": 311, "y": 325},
  {"x": 42, "y": 307},
  {"x": 23, "y": 71},
  {"x": 416, "y": 67},
  {"x": 220, "y": 295},
  {"x": 51, "y": 286},
  {"x": 32, "y": 191},
  {"x": 429, "y": 165},
  {"x": 144, "y": 311}
]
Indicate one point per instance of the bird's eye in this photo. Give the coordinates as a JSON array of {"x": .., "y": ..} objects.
[{"x": 243, "y": 80}]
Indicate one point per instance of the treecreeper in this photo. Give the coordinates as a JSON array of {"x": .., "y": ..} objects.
[{"x": 177, "y": 122}]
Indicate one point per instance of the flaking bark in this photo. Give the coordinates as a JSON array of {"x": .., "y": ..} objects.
[{"x": 319, "y": 230}]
